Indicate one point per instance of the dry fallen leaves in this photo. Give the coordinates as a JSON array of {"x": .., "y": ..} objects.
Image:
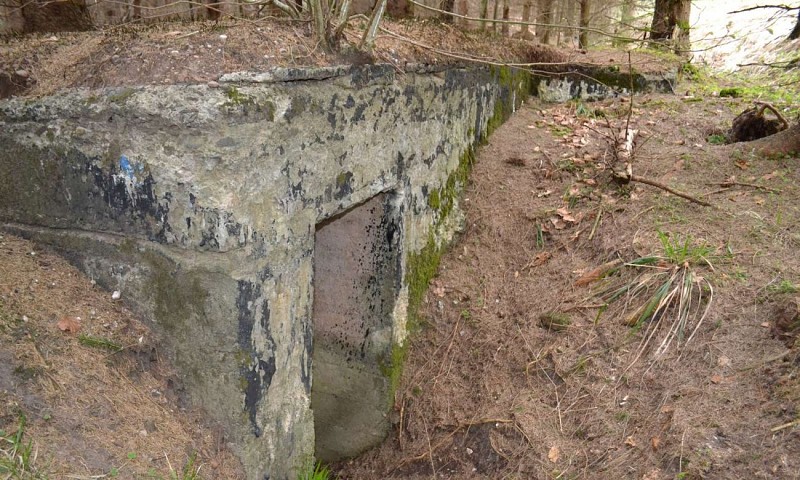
[
  {"x": 566, "y": 215},
  {"x": 69, "y": 324},
  {"x": 553, "y": 454},
  {"x": 630, "y": 441},
  {"x": 538, "y": 260}
]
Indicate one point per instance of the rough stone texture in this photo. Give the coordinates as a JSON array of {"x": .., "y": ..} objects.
[
  {"x": 202, "y": 204},
  {"x": 599, "y": 83}
]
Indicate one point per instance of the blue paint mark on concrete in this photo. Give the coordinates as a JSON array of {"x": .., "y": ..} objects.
[{"x": 125, "y": 166}]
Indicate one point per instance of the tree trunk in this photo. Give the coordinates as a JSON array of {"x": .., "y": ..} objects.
[
  {"x": 504, "y": 28},
  {"x": 626, "y": 28},
  {"x": 494, "y": 15},
  {"x": 46, "y": 16},
  {"x": 786, "y": 142},
  {"x": 484, "y": 13},
  {"x": 583, "y": 40},
  {"x": 796, "y": 31},
  {"x": 668, "y": 15},
  {"x": 569, "y": 20},
  {"x": 448, "y": 6},
  {"x": 545, "y": 15}
]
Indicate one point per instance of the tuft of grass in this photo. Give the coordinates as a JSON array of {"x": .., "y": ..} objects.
[
  {"x": 316, "y": 471},
  {"x": 717, "y": 139},
  {"x": 679, "y": 250},
  {"x": 785, "y": 286},
  {"x": 554, "y": 321},
  {"x": 17, "y": 458},
  {"x": 733, "y": 92},
  {"x": 663, "y": 295},
  {"x": 98, "y": 342}
]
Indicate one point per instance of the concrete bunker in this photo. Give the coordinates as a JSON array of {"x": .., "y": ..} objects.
[
  {"x": 212, "y": 208},
  {"x": 356, "y": 283}
]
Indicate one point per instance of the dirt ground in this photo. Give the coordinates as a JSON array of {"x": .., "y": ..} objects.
[
  {"x": 98, "y": 398},
  {"x": 518, "y": 372}
]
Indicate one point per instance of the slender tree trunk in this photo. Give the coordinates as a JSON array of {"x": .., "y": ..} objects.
[
  {"x": 484, "y": 13},
  {"x": 448, "y": 6},
  {"x": 320, "y": 23},
  {"x": 494, "y": 15},
  {"x": 627, "y": 17},
  {"x": 796, "y": 31},
  {"x": 545, "y": 15},
  {"x": 504, "y": 28},
  {"x": 368, "y": 40},
  {"x": 583, "y": 40},
  {"x": 569, "y": 20}
]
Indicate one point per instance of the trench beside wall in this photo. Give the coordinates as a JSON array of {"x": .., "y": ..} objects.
[{"x": 218, "y": 212}]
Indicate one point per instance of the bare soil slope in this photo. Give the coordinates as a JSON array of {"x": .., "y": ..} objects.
[
  {"x": 97, "y": 397},
  {"x": 518, "y": 370}
]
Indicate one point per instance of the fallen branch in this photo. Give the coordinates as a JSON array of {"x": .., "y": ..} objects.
[
  {"x": 635, "y": 178},
  {"x": 744, "y": 184}
]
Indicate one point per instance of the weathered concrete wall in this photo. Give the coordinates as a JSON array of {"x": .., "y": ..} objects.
[
  {"x": 202, "y": 206},
  {"x": 597, "y": 83}
]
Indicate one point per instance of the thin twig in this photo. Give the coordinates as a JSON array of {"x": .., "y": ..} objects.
[
  {"x": 785, "y": 425},
  {"x": 653, "y": 183},
  {"x": 766, "y": 361},
  {"x": 727, "y": 185}
]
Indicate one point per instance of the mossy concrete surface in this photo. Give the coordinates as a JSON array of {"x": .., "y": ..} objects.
[{"x": 201, "y": 205}]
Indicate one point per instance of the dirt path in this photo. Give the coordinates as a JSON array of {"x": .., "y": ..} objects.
[{"x": 516, "y": 372}]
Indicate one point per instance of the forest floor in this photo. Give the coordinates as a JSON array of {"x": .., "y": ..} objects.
[
  {"x": 523, "y": 367},
  {"x": 198, "y": 53},
  {"x": 518, "y": 370}
]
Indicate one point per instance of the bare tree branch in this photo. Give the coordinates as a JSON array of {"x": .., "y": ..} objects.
[{"x": 782, "y": 7}]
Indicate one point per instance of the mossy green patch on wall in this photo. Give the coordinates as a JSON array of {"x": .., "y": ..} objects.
[
  {"x": 179, "y": 297},
  {"x": 248, "y": 105}
]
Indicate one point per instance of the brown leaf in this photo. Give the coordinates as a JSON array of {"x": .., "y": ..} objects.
[
  {"x": 655, "y": 442},
  {"x": 69, "y": 324},
  {"x": 538, "y": 260},
  {"x": 630, "y": 441},
  {"x": 565, "y": 215},
  {"x": 553, "y": 454},
  {"x": 716, "y": 378},
  {"x": 742, "y": 164},
  {"x": 597, "y": 273},
  {"x": 558, "y": 223}
]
